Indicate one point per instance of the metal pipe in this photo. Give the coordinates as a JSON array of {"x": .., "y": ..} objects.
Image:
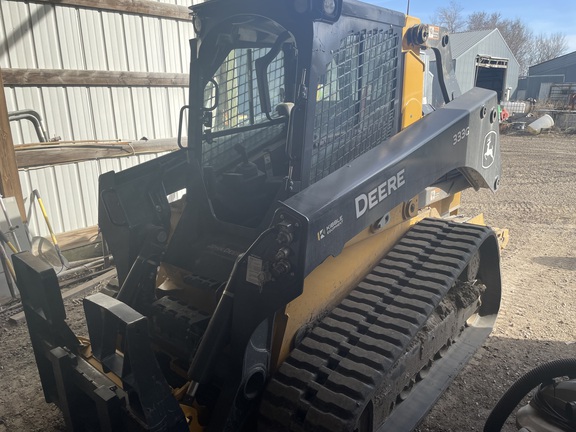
[
  {"x": 81, "y": 265},
  {"x": 32, "y": 116}
]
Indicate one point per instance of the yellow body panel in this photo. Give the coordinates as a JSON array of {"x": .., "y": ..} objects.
[
  {"x": 449, "y": 206},
  {"x": 192, "y": 418},
  {"x": 329, "y": 283},
  {"x": 503, "y": 234},
  {"x": 413, "y": 82}
]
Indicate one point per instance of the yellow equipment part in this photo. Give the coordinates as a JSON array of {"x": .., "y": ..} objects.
[
  {"x": 86, "y": 352},
  {"x": 329, "y": 283},
  {"x": 503, "y": 234},
  {"x": 413, "y": 83}
]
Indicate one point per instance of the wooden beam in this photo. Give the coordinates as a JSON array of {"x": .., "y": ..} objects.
[
  {"x": 9, "y": 179},
  {"x": 137, "y": 7},
  {"x": 82, "y": 78},
  {"x": 58, "y": 153},
  {"x": 78, "y": 237}
]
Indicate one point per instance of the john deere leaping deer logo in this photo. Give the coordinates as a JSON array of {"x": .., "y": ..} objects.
[{"x": 488, "y": 152}]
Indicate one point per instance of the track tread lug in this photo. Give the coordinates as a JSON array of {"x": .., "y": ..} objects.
[{"x": 358, "y": 345}]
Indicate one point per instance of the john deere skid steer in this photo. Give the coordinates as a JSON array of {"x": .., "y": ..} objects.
[{"x": 311, "y": 272}]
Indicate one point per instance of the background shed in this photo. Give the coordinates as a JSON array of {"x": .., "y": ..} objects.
[
  {"x": 544, "y": 76},
  {"x": 481, "y": 58}
]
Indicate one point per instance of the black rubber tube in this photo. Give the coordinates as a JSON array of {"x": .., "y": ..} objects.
[{"x": 531, "y": 379}]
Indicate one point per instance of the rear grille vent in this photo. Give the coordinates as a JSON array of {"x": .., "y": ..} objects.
[{"x": 355, "y": 108}]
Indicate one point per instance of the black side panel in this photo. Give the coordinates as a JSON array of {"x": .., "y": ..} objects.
[{"x": 460, "y": 136}]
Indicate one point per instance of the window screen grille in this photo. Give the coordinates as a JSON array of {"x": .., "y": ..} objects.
[
  {"x": 355, "y": 107},
  {"x": 239, "y": 103}
]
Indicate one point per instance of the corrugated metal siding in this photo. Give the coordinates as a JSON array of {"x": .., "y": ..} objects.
[
  {"x": 462, "y": 42},
  {"x": 54, "y": 37},
  {"x": 59, "y": 37},
  {"x": 180, "y": 2},
  {"x": 466, "y": 46},
  {"x": 70, "y": 191},
  {"x": 466, "y": 70},
  {"x": 548, "y": 67},
  {"x": 535, "y": 82},
  {"x": 564, "y": 65}
]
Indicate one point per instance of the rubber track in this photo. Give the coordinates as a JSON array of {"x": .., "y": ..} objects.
[{"x": 330, "y": 377}]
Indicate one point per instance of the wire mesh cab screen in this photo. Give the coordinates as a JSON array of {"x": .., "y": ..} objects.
[
  {"x": 355, "y": 108},
  {"x": 237, "y": 105}
]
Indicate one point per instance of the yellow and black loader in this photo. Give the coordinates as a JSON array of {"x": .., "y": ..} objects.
[{"x": 313, "y": 271}]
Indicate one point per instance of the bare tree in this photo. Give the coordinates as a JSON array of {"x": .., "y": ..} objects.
[
  {"x": 547, "y": 47},
  {"x": 526, "y": 47},
  {"x": 450, "y": 17},
  {"x": 515, "y": 32},
  {"x": 483, "y": 21}
]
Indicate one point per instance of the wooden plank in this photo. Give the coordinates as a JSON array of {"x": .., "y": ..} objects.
[
  {"x": 76, "y": 238},
  {"x": 56, "y": 153},
  {"x": 50, "y": 144},
  {"x": 9, "y": 179},
  {"x": 74, "y": 292},
  {"x": 92, "y": 78},
  {"x": 137, "y": 7}
]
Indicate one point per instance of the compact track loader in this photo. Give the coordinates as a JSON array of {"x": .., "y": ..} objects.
[{"x": 311, "y": 272}]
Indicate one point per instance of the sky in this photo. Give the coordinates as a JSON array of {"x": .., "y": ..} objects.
[{"x": 541, "y": 16}]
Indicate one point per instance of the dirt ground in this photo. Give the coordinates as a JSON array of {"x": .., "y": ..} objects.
[
  {"x": 536, "y": 323},
  {"x": 537, "y": 202}
]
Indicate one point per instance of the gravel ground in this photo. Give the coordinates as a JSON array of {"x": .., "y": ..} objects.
[{"x": 536, "y": 324}]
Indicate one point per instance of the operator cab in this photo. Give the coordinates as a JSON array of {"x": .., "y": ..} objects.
[{"x": 247, "y": 66}]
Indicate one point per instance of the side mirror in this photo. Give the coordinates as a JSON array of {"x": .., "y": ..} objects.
[{"x": 211, "y": 91}]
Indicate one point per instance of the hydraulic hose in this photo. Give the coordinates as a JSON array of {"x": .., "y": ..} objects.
[{"x": 531, "y": 379}]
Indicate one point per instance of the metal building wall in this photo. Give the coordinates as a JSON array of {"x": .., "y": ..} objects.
[
  {"x": 492, "y": 45},
  {"x": 52, "y": 36},
  {"x": 47, "y": 36},
  {"x": 70, "y": 191},
  {"x": 564, "y": 65},
  {"x": 468, "y": 46},
  {"x": 535, "y": 84}
]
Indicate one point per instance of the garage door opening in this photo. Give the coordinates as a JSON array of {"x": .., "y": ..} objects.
[{"x": 491, "y": 74}]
